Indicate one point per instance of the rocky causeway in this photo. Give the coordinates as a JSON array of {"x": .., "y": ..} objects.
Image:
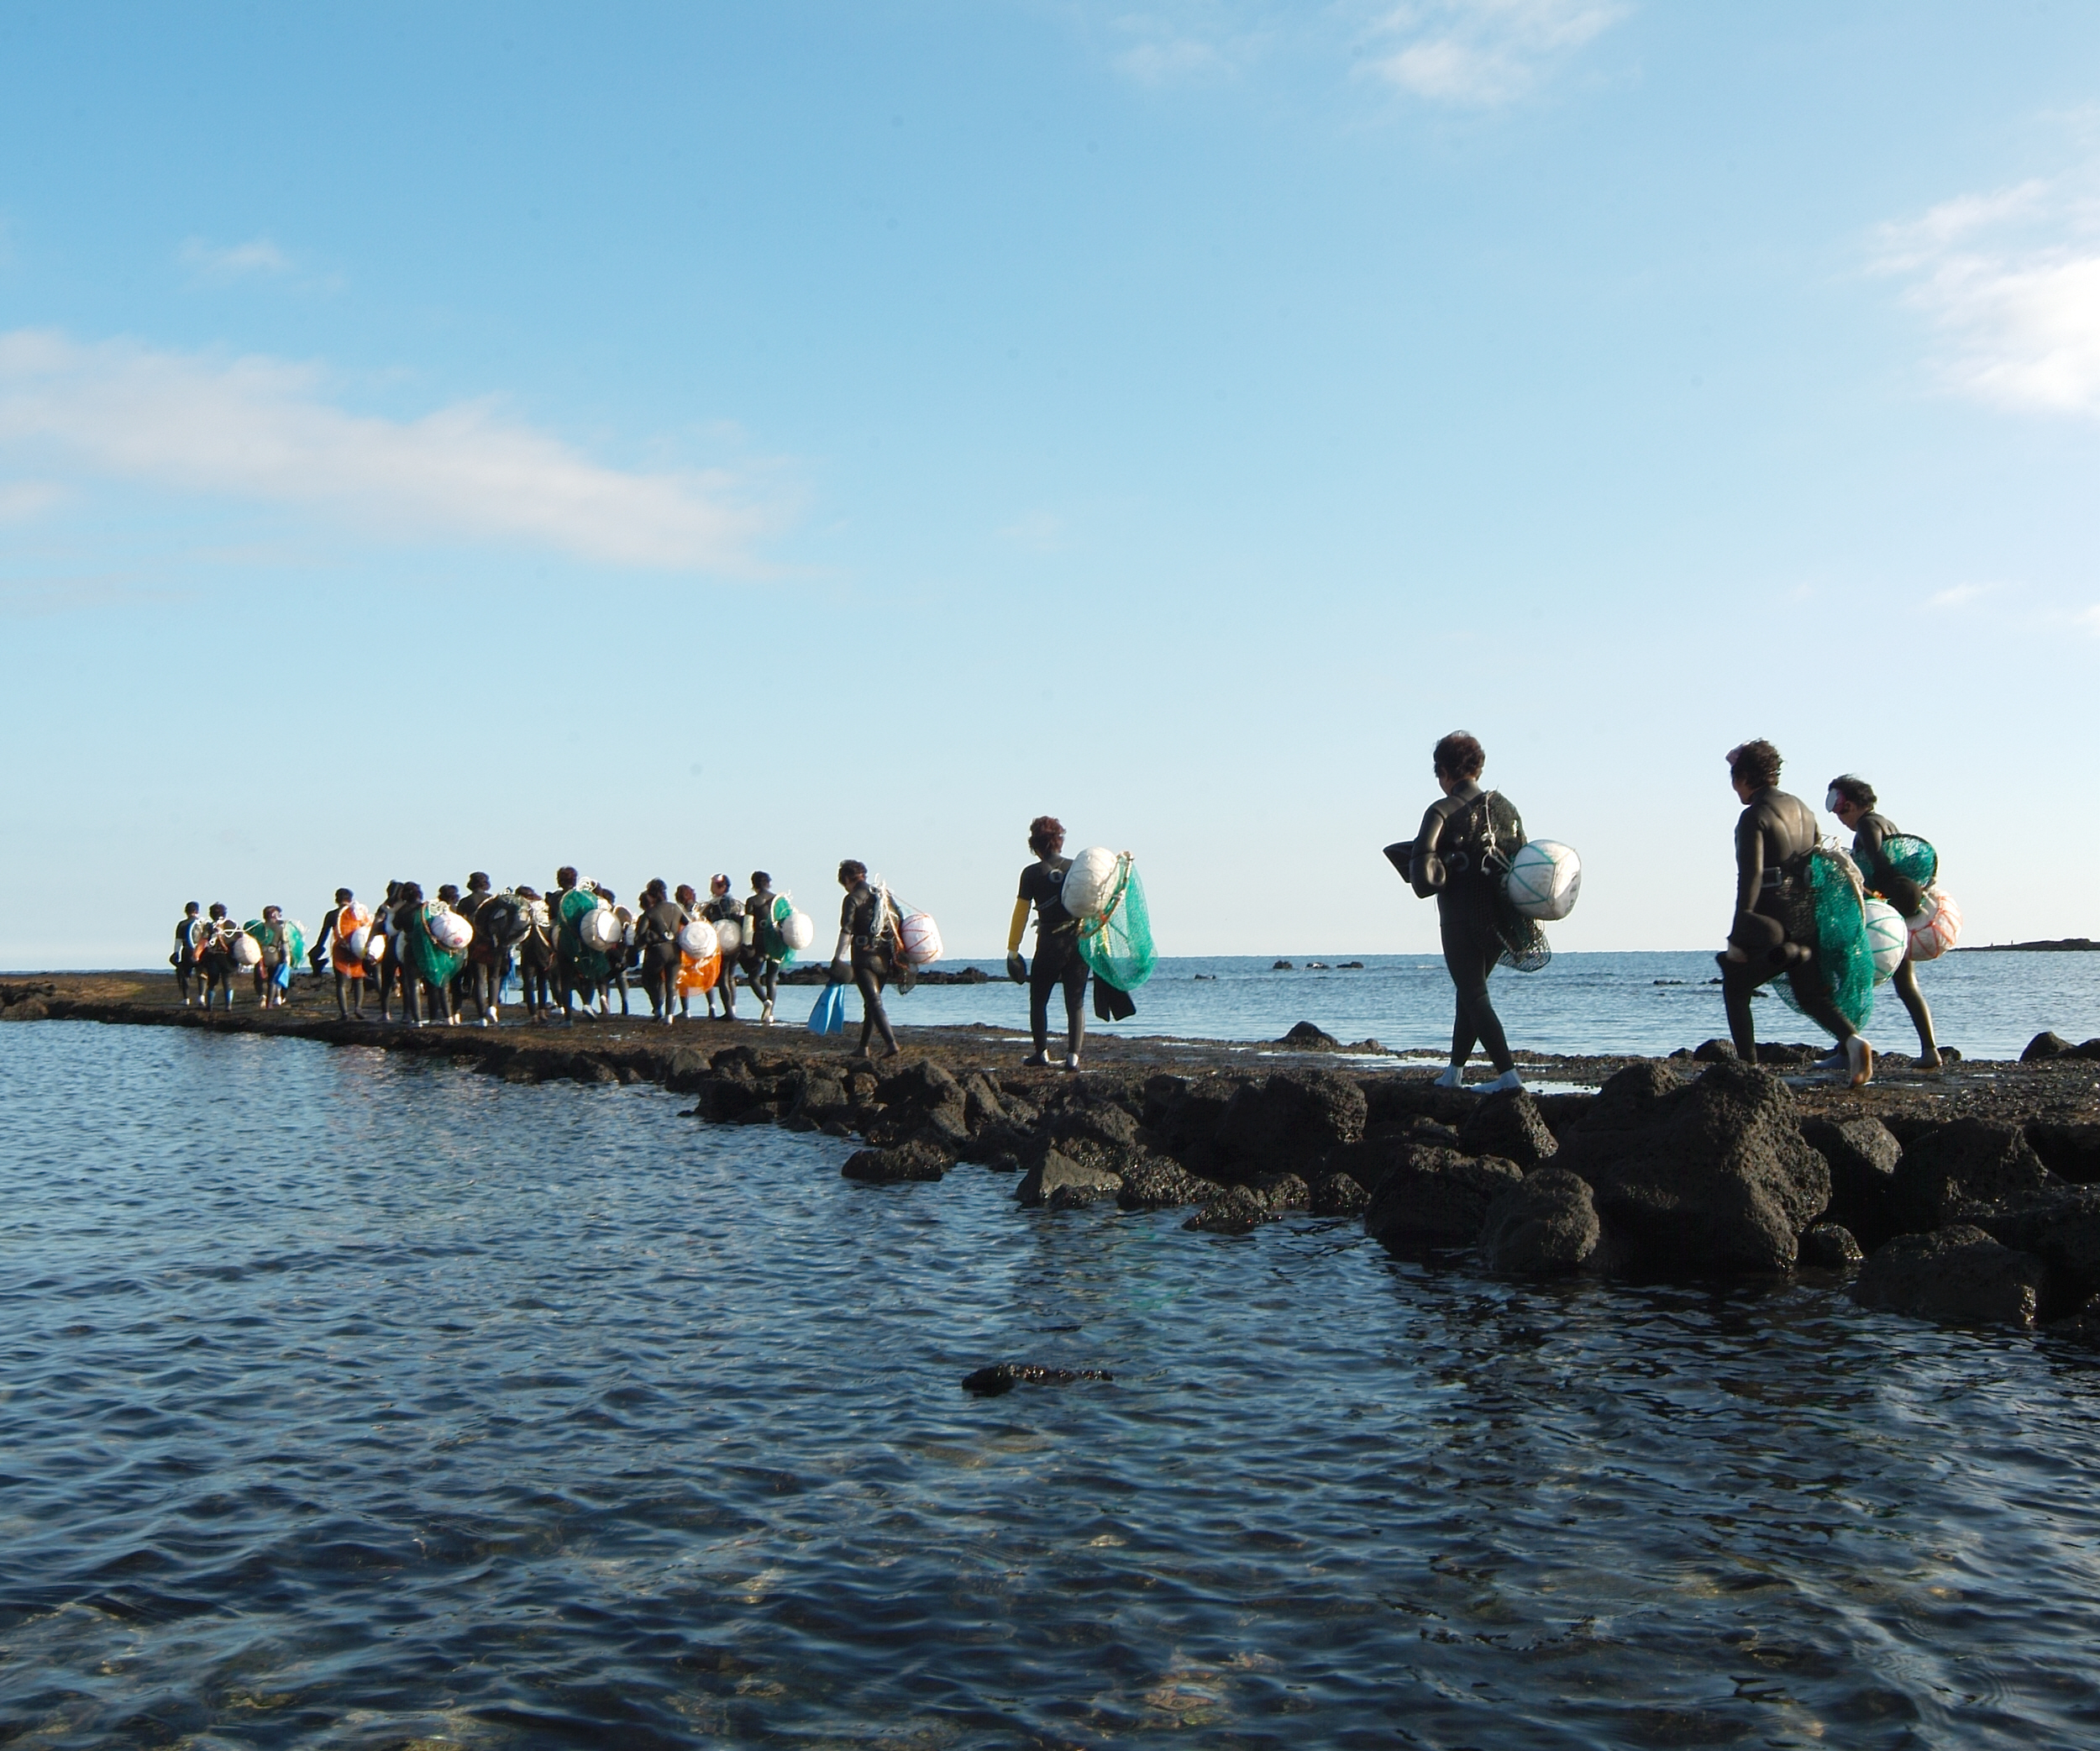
[{"x": 1970, "y": 1196}]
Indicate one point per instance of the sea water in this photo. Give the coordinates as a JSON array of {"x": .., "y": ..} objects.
[
  {"x": 355, "y": 1400},
  {"x": 1988, "y": 1006}
]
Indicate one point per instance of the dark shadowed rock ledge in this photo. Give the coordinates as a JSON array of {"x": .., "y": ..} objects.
[{"x": 1975, "y": 1194}]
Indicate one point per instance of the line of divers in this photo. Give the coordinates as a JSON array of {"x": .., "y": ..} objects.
[{"x": 1459, "y": 856}]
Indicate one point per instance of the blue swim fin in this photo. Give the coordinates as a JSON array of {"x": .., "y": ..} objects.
[{"x": 829, "y": 1017}]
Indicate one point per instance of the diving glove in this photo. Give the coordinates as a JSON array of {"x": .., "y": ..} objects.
[
  {"x": 1017, "y": 969},
  {"x": 842, "y": 972}
]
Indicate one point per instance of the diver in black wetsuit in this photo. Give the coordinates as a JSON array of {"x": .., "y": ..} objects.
[
  {"x": 1455, "y": 857},
  {"x": 189, "y": 931},
  {"x": 867, "y": 942},
  {"x": 1853, "y": 802},
  {"x": 1057, "y": 958},
  {"x": 1773, "y": 933}
]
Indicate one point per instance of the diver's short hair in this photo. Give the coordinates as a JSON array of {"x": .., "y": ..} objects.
[
  {"x": 854, "y": 867},
  {"x": 1460, "y": 755},
  {"x": 1755, "y": 764},
  {"x": 1046, "y": 835}
]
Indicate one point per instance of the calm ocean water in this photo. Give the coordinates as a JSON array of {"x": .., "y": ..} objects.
[
  {"x": 356, "y": 1402},
  {"x": 1989, "y": 1005}
]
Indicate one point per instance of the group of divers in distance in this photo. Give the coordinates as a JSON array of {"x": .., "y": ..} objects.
[{"x": 1830, "y": 924}]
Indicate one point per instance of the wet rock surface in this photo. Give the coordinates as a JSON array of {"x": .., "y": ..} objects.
[
  {"x": 1545, "y": 1225},
  {"x": 1956, "y": 1276}
]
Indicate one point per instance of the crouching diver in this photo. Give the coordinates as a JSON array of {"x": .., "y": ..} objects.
[
  {"x": 866, "y": 939},
  {"x": 1466, "y": 840},
  {"x": 1853, "y": 802},
  {"x": 1774, "y": 931},
  {"x": 1057, "y": 958}
]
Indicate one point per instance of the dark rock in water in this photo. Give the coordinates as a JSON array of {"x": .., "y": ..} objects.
[
  {"x": 1713, "y": 1051},
  {"x": 1307, "y": 1037},
  {"x": 981, "y": 1105},
  {"x": 913, "y": 1160},
  {"x": 1284, "y": 1192},
  {"x": 1157, "y": 1182},
  {"x": 1544, "y": 1226},
  {"x": 30, "y": 1009},
  {"x": 1861, "y": 1155},
  {"x": 2086, "y": 1048},
  {"x": 1709, "y": 1176},
  {"x": 1508, "y": 1124},
  {"x": 1437, "y": 1197},
  {"x": 1237, "y": 1209},
  {"x": 1005, "y": 1376},
  {"x": 2045, "y": 1046},
  {"x": 1956, "y": 1171},
  {"x": 1281, "y": 966},
  {"x": 2083, "y": 1326},
  {"x": 1288, "y": 1120},
  {"x": 2069, "y": 1149},
  {"x": 1958, "y": 1276},
  {"x": 1060, "y": 1174},
  {"x": 1338, "y": 1194},
  {"x": 1830, "y": 1246},
  {"x": 2061, "y": 1228},
  {"x": 1369, "y": 1161}
]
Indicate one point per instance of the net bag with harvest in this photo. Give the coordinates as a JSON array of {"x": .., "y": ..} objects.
[{"x": 1115, "y": 940}]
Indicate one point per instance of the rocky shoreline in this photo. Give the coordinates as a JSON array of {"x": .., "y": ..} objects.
[{"x": 1971, "y": 1196}]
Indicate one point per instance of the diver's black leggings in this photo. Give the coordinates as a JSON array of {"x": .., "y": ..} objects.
[
  {"x": 184, "y": 972},
  {"x": 868, "y": 971},
  {"x": 1471, "y": 950},
  {"x": 1738, "y": 979},
  {"x": 1057, "y": 962}
]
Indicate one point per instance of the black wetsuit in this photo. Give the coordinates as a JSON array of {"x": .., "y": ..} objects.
[
  {"x": 862, "y": 920},
  {"x": 728, "y": 908},
  {"x": 185, "y": 935},
  {"x": 1057, "y": 958},
  {"x": 656, "y": 935},
  {"x": 762, "y": 972},
  {"x": 1908, "y": 899},
  {"x": 1466, "y": 910},
  {"x": 1774, "y": 836}
]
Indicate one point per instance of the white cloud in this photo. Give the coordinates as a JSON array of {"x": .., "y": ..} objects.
[
  {"x": 21, "y": 500},
  {"x": 1961, "y": 595},
  {"x": 1481, "y": 53},
  {"x": 221, "y": 266},
  {"x": 261, "y": 428},
  {"x": 2012, "y": 281}
]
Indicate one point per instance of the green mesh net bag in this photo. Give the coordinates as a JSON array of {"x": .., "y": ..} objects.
[
  {"x": 424, "y": 958},
  {"x": 772, "y": 945},
  {"x": 1118, "y": 945},
  {"x": 1910, "y": 856},
  {"x": 571, "y": 907},
  {"x": 1833, "y": 918}
]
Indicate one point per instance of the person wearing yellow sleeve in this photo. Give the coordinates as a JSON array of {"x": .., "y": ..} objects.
[{"x": 1057, "y": 958}]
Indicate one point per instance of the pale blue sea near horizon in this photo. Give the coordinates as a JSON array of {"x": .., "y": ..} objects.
[{"x": 1986, "y": 1006}]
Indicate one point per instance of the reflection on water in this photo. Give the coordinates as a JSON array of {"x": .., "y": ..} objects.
[{"x": 354, "y": 1401}]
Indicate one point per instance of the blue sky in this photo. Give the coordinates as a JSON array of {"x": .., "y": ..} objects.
[{"x": 672, "y": 439}]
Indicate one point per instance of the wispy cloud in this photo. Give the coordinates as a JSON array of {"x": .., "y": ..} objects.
[
  {"x": 1961, "y": 595},
  {"x": 2011, "y": 280},
  {"x": 221, "y": 264},
  {"x": 1184, "y": 42},
  {"x": 263, "y": 429},
  {"x": 1482, "y": 53},
  {"x": 1040, "y": 531},
  {"x": 21, "y": 500}
]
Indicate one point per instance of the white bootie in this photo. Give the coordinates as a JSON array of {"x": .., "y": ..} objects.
[
  {"x": 1507, "y": 1080},
  {"x": 1453, "y": 1076}
]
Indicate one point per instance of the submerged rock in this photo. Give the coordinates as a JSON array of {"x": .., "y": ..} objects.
[
  {"x": 1307, "y": 1038},
  {"x": 912, "y": 1160},
  {"x": 1958, "y": 1275},
  {"x": 1157, "y": 1182},
  {"x": 1005, "y": 1376},
  {"x": 1709, "y": 1176},
  {"x": 1338, "y": 1194},
  {"x": 1236, "y": 1210},
  {"x": 1062, "y": 1183},
  {"x": 1545, "y": 1225}
]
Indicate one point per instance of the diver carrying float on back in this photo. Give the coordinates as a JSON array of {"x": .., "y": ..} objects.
[
  {"x": 1470, "y": 845},
  {"x": 1798, "y": 911}
]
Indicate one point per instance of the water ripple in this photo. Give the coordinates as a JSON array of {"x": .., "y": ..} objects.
[{"x": 353, "y": 1403}]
